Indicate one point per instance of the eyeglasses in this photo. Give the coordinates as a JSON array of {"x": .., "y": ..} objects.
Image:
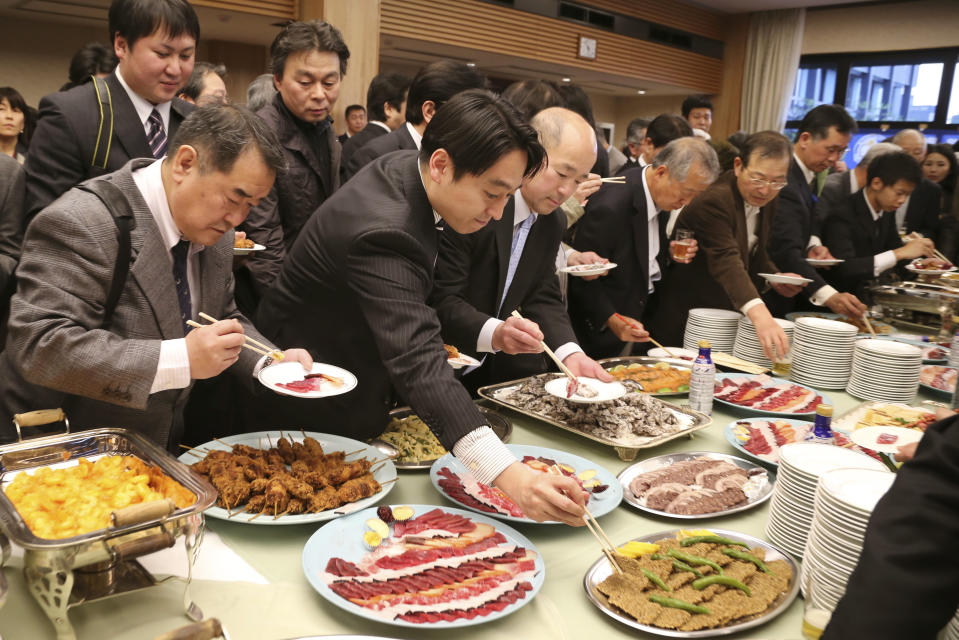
[
  {"x": 759, "y": 183},
  {"x": 841, "y": 151}
]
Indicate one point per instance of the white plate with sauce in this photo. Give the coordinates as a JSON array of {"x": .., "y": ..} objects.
[
  {"x": 245, "y": 251},
  {"x": 605, "y": 391},
  {"x": 779, "y": 278},
  {"x": 594, "y": 269}
]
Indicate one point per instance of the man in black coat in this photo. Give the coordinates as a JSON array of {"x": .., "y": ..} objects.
[
  {"x": 355, "y": 115},
  {"x": 921, "y": 210},
  {"x": 385, "y": 104}
]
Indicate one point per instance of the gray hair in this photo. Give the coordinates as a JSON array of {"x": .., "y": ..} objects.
[
  {"x": 636, "y": 130},
  {"x": 908, "y": 133},
  {"x": 876, "y": 150},
  {"x": 221, "y": 133},
  {"x": 680, "y": 155},
  {"x": 260, "y": 92}
]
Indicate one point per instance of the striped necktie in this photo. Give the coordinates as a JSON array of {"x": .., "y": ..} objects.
[
  {"x": 157, "y": 137},
  {"x": 515, "y": 252}
]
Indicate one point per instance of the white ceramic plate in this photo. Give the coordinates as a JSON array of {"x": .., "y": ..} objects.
[
  {"x": 779, "y": 278},
  {"x": 581, "y": 270},
  {"x": 284, "y": 372},
  {"x": 463, "y": 361},
  {"x": 606, "y": 391},
  {"x": 860, "y": 488},
  {"x": 814, "y": 459},
  {"x": 816, "y": 262},
  {"x": 678, "y": 352},
  {"x": 868, "y": 437},
  {"x": 242, "y": 251},
  {"x": 929, "y": 272}
]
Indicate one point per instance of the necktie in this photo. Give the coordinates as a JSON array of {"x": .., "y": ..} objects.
[
  {"x": 157, "y": 137},
  {"x": 180, "y": 252},
  {"x": 515, "y": 252}
]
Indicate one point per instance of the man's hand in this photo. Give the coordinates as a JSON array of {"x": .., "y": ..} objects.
[
  {"x": 543, "y": 496},
  {"x": 787, "y": 290},
  {"x": 627, "y": 329},
  {"x": 576, "y": 258},
  {"x": 299, "y": 355},
  {"x": 918, "y": 248},
  {"x": 906, "y": 452},
  {"x": 820, "y": 252},
  {"x": 771, "y": 336},
  {"x": 846, "y": 304},
  {"x": 588, "y": 187},
  {"x": 517, "y": 336},
  {"x": 692, "y": 246},
  {"x": 213, "y": 347},
  {"x": 582, "y": 365}
]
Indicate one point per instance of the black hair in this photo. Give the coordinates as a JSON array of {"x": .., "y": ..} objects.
[
  {"x": 307, "y": 35},
  {"x": 768, "y": 144},
  {"x": 532, "y": 96},
  {"x": 353, "y": 107},
  {"x": 726, "y": 153},
  {"x": 17, "y": 103},
  {"x": 135, "y": 19},
  {"x": 636, "y": 130},
  {"x": 91, "y": 59},
  {"x": 437, "y": 82},
  {"x": 695, "y": 102},
  {"x": 892, "y": 167},
  {"x": 477, "y": 128},
  {"x": 222, "y": 132},
  {"x": 819, "y": 120},
  {"x": 194, "y": 86},
  {"x": 737, "y": 138},
  {"x": 948, "y": 183},
  {"x": 578, "y": 101},
  {"x": 385, "y": 88},
  {"x": 667, "y": 127}
]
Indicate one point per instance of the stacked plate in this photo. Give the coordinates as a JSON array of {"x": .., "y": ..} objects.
[
  {"x": 747, "y": 344},
  {"x": 843, "y": 504},
  {"x": 822, "y": 353},
  {"x": 801, "y": 464},
  {"x": 885, "y": 370},
  {"x": 716, "y": 325}
]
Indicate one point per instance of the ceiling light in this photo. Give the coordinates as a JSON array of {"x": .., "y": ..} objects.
[
  {"x": 566, "y": 79},
  {"x": 471, "y": 64},
  {"x": 641, "y": 92}
]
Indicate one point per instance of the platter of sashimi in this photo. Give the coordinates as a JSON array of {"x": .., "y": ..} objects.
[
  {"x": 761, "y": 438},
  {"x": 767, "y": 396}
]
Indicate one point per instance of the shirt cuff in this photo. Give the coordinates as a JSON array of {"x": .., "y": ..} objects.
[
  {"x": 484, "y": 343},
  {"x": 567, "y": 350},
  {"x": 814, "y": 241},
  {"x": 173, "y": 368},
  {"x": 883, "y": 262},
  {"x": 749, "y": 305},
  {"x": 567, "y": 250},
  {"x": 824, "y": 293},
  {"x": 483, "y": 454}
]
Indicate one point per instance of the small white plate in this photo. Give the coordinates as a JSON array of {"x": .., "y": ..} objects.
[
  {"x": 606, "y": 391},
  {"x": 868, "y": 437},
  {"x": 817, "y": 262},
  {"x": 779, "y": 278},
  {"x": 677, "y": 352},
  {"x": 463, "y": 360},
  {"x": 244, "y": 251},
  {"x": 284, "y": 372},
  {"x": 594, "y": 269},
  {"x": 912, "y": 266}
]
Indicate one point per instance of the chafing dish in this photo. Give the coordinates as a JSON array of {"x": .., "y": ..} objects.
[
  {"x": 100, "y": 564},
  {"x": 917, "y": 304}
]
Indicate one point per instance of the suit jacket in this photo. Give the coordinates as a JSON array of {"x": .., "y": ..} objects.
[
  {"x": 833, "y": 196},
  {"x": 12, "y": 189},
  {"x": 615, "y": 226},
  {"x": 342, "y": 138},
  {"x": 922, "y": 213},
  {"x": 64, "y": 144},
  {"x": 470, "y": 278},
  {"x": 378, "y": 146},
  {"x": 354, "y": 291},
  {"x": 360, "y": 139},
  {"x": 103, "y": 377},
  {"x": 853, "y": 235},
  {"x": 297, "y": 192},
  {"x": 724, "y": 273}
]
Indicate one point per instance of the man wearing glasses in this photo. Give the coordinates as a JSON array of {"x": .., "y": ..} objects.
[
  {"x": 732, "y": 220},
  {"x": 821, "y": 141}
]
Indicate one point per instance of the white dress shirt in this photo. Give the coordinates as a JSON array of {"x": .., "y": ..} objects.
[
  {"x": 144, "y": 108},
  {"x": 887, "y": 259},
  {"x": 825, "y": 292},
  {"x": 417, "y": 137},
  {"x": 381, "y": 124},
  {"x": 652, "y": 232},
  {"x": 752, "y": 220}
]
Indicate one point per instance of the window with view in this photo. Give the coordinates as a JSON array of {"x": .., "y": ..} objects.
[
  {"x": 894, "y": 93},
  {"x": 815, "y": 85}
]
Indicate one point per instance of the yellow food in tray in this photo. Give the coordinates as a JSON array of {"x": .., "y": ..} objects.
[
  {"x": 657, "y": 378},
  {"x": 62, "y": 503},
  {"x": 413, "y": 439}
]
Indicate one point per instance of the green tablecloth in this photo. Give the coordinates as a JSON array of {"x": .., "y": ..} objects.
[{"x": 289, "y": 607}]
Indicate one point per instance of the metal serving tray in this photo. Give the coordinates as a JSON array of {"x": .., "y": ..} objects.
[
  {"x": 848, "y": 420},
  {"x": 627, "y": 450},
  {"x": 609, "y": 363},
  {"x": 499, "y": 423}
]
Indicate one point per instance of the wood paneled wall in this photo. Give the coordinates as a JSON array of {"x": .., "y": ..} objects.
[
  {"x": 244, "y": 62},
  {"x": 277, "y": 8},
  {"x": 727, "y": 105},
  {"x": 669, "y": 13}
]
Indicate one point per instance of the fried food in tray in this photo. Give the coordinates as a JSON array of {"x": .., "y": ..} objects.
[
  {"x": 413, "y": 439},
  {"x": 59, "y": 503},
  {"x": 243, "y": 243},
  {"x": 657, "y": 378}
]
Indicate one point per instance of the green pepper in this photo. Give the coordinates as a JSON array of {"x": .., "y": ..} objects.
[
  {"x": 688, "y": 542},
  {"x": 656, "y": 580},
  {"x": 658, "y": 556},
  {"x": 683, "y": 388},
  {"x": 678, "y": 604},
  {"x": 693, "y": 560},
  {"x": 682, "y": 566},
  {"x": 702, "y": 583},
  {"x": 748, "y": 557}
]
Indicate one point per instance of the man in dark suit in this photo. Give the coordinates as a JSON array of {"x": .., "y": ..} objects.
[
  {"x": 511, "y": 264},
  {"x": 662, "y": 130},
  {"x": 822, "y": 139},
  {"x": 863, "y": 232},
  {"x": 433, "y": 85},
  {"x": 840, "y": 185},
  {"x": 635, "y": 145},
  {"x": 731, "y": 219},
  {"x": 355, "y": 115},
  {"x": 12, "y": 188},
  {"x": 136, "y": 368},
  {"x": 920, "y": 212},
  {"x": 155, "y": 43},
  {"x": 385, "y": 106},
  {"x": 626, "y": 224},
  {"x": 355, "y": 289}
]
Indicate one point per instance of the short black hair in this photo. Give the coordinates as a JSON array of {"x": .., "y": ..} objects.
[
  {"x": 17, "y": 103},
  {"x": 437, "y": 82},
  {"x": 477, "y": 128},
  {"x": 222, "y": 132},
  {"x": 948, "y": 183},
  {"x": 194, "y": 86},
  {"x": 636, "y": 130},
  {"x": 577, "y": 100},
  {"x": 354, "y": 107},
  {"x": 385, "y": 88},
  {"x": 667, "y": 127},
  {"x": 892, "y": 167},
  {"x": 737, "y": 138},
  {"x": 768, "y": 144},
  {"x": 695, "y": 102},
  {"x": 532, "y": 96},
  {"x": 307, "y": 35},
  {"x": 818, "y": 121},
  {"x": 135, "y": 19},
  {"x": 89, "y": 60}
]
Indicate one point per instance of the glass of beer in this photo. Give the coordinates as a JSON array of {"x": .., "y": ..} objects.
[
  {"x": 782, "y": 364},
  {"x": 683, "y": 239},
  {"x": 816, "y": 611}
]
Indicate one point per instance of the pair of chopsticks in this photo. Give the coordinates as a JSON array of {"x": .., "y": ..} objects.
[
  {"x": 251, "y": 344},
  {"x": 633, "y": 325},
  {"x": 865, "y": 318},
  {"x": 573, "y": 382},
  {"x": 609, "y": 549},
  {"x": 615, "y": 180}
]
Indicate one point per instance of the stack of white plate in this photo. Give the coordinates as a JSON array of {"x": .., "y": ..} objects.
[
  {"x": 716, "y": 325},
  {"x": 801, "y": 464},
  {"x": 951, "y": 632},
  {"x": 747, "y": 344},
  {"x": 844, "y": 501},
  {"x": 822, "y": 353},
  {"x": 885, "y": 370}
]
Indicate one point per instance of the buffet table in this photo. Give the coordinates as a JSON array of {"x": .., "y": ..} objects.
[{"x": 288, "y": 607}]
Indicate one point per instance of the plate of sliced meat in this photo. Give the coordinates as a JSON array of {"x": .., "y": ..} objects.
[
  {"x": 768, "y": 396},
  {"x": 323, "y": 380},
  {"x": 442, "y": 568},
  {"x": 695, "y": 485},
  {"x": 761, "y": 438},
  {"x": 454, "y": 481}
]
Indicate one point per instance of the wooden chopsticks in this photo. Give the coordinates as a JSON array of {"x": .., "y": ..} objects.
[
  {"x": 549, "y": 352},
  {"x": 865, "y": 318},
  {"x": 615, "y": 180},
  {"x": 633, "y": 325},
  {"x": 609, "y": 549},
  {"x": 251, "y": 344}
]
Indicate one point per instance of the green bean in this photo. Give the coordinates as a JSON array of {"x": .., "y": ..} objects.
[
  {"x": 656, "y": 580},
  {"x": 678, "y": 604},
  {"x": 682, "y": 566},
  {"x": 658, "y": 556},
  {"x": 693, "y": 560},
  {"x": 748, "y": 557},
  {"x": 702, "y": 583},
  {"x": 686, "y": 542}
]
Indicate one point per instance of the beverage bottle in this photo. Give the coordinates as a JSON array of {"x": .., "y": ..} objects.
[
  {"x": 703, "y": 380},
  {"x": 954, "y": 351},
  {"x": 955, "y": 398},
  {"x": 822, "y": 431}
]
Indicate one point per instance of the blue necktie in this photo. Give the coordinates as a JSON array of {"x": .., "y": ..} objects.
[
  {"x": 157, "y": 136},
  {"x": 515, "y": 252},
  {"x": 180, "y": 252}
]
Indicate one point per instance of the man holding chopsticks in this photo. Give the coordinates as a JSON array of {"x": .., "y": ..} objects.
[{"x": 100, "y": 322}]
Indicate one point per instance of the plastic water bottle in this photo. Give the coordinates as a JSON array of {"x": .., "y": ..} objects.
[
  {"x": 822, "y": 430},
  {"x": 954, "y": 351},
  {"x": 702, "y": 382}
]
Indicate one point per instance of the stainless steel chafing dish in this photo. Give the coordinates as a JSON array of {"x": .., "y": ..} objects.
[
  {"x": 921, "y": 305},
  {"x": 100, "y": 564}
]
